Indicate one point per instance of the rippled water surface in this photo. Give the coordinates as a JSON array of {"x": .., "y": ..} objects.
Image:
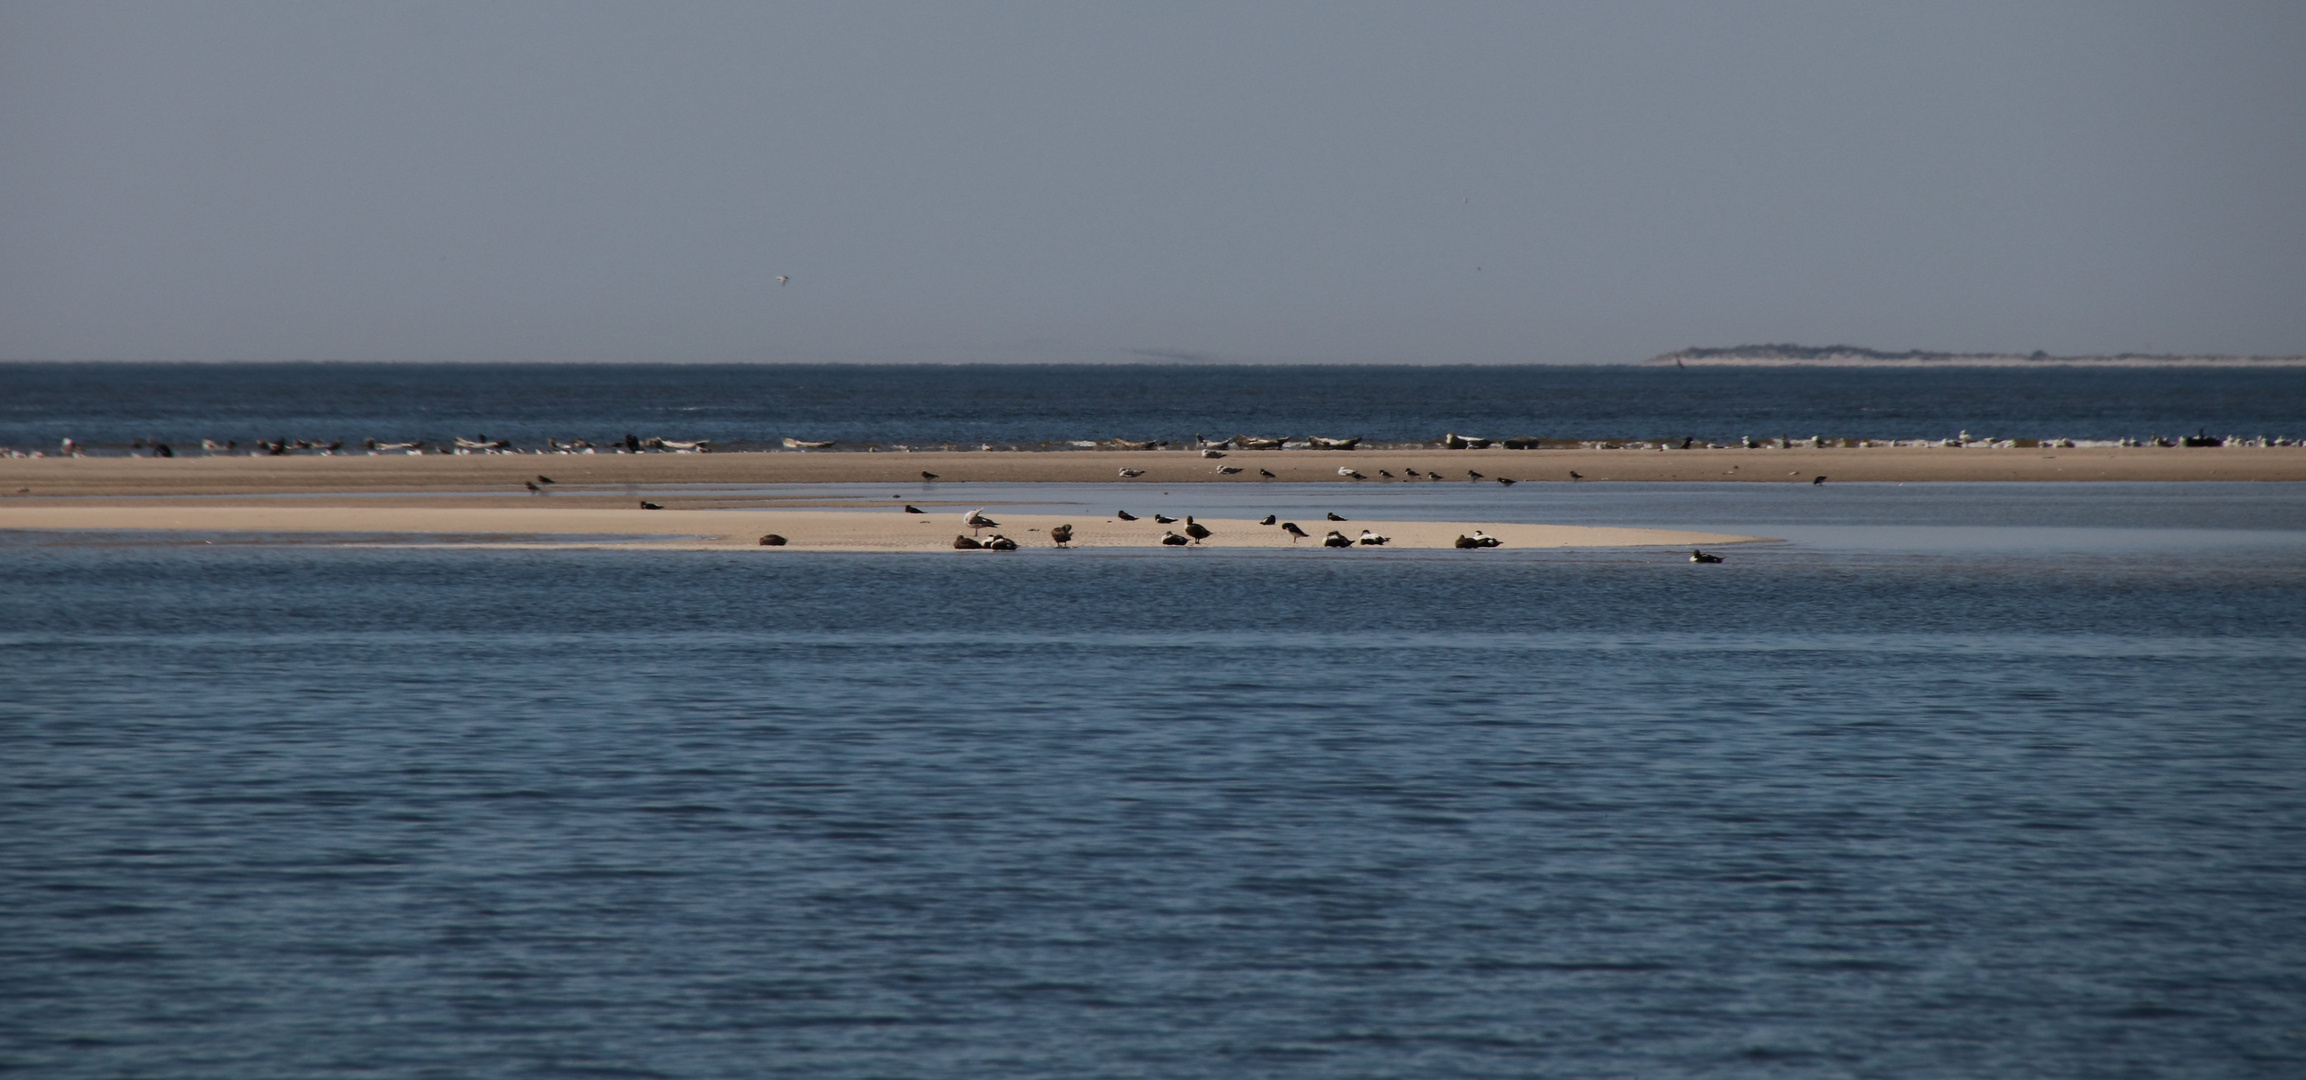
[
  {"x": 2021, "y": 796},
  {"x": 741, "y": 405}
]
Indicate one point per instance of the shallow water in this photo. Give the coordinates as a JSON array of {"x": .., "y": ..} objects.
[{"x": 1958, "y": 781}]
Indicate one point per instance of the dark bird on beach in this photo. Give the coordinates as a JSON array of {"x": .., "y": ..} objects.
[
  {"x": 1266, "y": 473},
  {"x": 647, "y": 505},
  {"x": 1295, "y": 533},
  {"x": 1576, "y": 475},
  {"x": 1124, "y": 515},
  {"x": 1164, "y": 519},
  {"x": 1335, "y": 539},
  {"x": 964, "y": 543},
  {"x": 912, "y": 509},
  {"x": 1171, "y": 539},
  {"x": 1062, "y": 534},
  {"x": 772, "y": 540},
  {"x": 542, "y": 479},
  {"x": 1195, "y": 529},
  {"x": 1333, "y": 516},
  {"x": 1412, "y": 473},
  {"x": 1698, "y": 556},
  {"x": 1001, "y": 543},
  {"x": 532, "y": 488},
  {"x": 1503, "y": 482},
  {"x": 927, "y": 475},
  {"x": 1371, "y": 539},
  {"x": 1464, "y": 541},
  {"x": 1385, "y": 474},
  {"x": 1816, "y": 482},
  {"x": 1343, "y": 470},
  {"x": 1269, "y": 519},
  {"x": 1471, "y": 473}
]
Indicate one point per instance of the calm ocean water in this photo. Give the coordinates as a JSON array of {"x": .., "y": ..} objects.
[
  {"x": 750, "y": 405},
  {"x": 1961, "y": 780}
]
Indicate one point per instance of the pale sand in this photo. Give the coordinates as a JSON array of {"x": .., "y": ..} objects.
[
  {"x": 402, "y": 473},
  {"x": 819, "y": 530}
]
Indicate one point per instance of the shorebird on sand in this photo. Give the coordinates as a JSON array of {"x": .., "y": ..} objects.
[
  {"x": 1347, "y": 470},
  {"x": 1385, "y": 474},
  {"x": 1335, "y": 539},
  {"x": 927, "y": 475},
  {"x": 1504, "y": 482},
  {"x": 1474, "y": 475},
  {"x": 1228, "y": 470},
  {"x": 1333, "y": 516},
  {"x": 976, "y": 519},
  {"x": 1576, "y": 475},
  {"x": 1269, "y": 519},
  {"x": 1131, "y": 474},
  {"x": 1370, "y": 539},
  {"x": 1195, "y": 529},
  {"x": 1295, "y": 533},
  {"x": 1266, "y": 473},
  {"x": 1062, "y": 534},
  {"x": 1816, "y": 482},
  {"x": 912, "y": 509},
  {"x": 773, "y": 540},
  {"x": 542, "y": 479},
  {"x": 647, "y": 505},
  {"x": 1164, "y": 519},
  {"x": 532, "y": 488},
  {"x": 1171, "y": 539},
  {"x": 1124, "y": 515}
]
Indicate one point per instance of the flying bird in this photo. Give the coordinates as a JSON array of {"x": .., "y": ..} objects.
[
  {"x": 782, "y": 278},
  {"x": 1124, "y": 515},
  {"x": 1295, "y": 533}
]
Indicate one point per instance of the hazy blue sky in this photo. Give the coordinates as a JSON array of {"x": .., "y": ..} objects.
[{"x": 1443, "y": 182}]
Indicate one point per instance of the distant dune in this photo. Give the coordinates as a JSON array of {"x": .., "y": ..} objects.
[{"x": 1853, "y": 356}]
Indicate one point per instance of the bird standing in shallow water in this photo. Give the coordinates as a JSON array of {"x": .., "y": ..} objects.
[{"x": 1503, "y": 482}]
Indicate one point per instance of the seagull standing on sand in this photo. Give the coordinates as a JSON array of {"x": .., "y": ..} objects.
[{"x": 976, "y": 519}]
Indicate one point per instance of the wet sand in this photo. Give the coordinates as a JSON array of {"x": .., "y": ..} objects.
[{"x": 362, "y": 473}]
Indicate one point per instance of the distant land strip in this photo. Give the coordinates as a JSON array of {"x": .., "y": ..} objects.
[{"x": 1856, "y": 357}]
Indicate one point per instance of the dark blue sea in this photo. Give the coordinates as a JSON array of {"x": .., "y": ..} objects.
[
  {"x": 1953, "y": 781},
  {"x": 113, "y": 406}
]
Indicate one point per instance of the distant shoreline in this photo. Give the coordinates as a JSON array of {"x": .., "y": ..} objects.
[{"x": 1851, "y": 356}]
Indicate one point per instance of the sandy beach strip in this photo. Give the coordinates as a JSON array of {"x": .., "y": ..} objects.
[
  {"x": 507, "y": 472},
  {"x": 805, "y": 530}
]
